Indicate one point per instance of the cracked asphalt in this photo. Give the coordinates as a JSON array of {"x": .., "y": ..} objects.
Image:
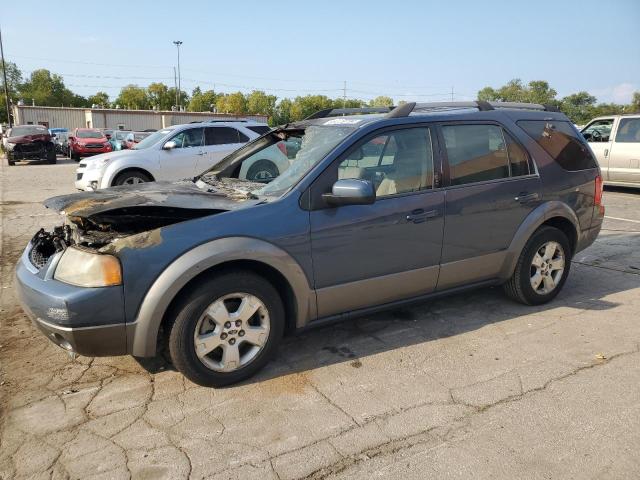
[{"x": 471, "y": 386}]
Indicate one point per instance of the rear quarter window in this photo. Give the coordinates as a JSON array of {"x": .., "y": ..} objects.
[{"x": 562, "y": 142}]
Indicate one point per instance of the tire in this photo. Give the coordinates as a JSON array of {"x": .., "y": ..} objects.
[
  {"x": 263, "y": 171},
  {"x": 75, "y": 156},
  {"x": 520, "y": 287},
  {"x": 51, "y": 156},
  {"x": 211, "y": 369},
  {"x": 131, "y": 177},
  {"x": 11, "y": 162}
]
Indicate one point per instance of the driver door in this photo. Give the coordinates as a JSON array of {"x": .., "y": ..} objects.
[
  {"x": 366, "y": 255},
  {"x": 181, "y": 161},
  {"x": 598, "y": 133}
]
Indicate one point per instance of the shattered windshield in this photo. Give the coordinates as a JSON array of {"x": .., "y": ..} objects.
[
  {"x": 276, "y": 162},
  {"x": 20, "y": 131}
]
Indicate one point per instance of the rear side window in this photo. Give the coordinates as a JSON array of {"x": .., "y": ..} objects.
[
  {"x": 518, "y": 158},
  {"x": 629, "y": 131},
  {"x": 260, "y": 129},
  {"x": 562, "y": 142},
  {"x": 223, "y": 136},
  {"x": 476, "y": 153}
]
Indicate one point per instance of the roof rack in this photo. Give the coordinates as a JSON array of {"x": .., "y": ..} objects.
[
  {"x": 335, "y": 112},
  {"x": 408, "y": 108}
]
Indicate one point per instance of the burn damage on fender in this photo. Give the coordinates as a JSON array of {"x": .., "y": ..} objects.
[{"x": 132, "y": 217}]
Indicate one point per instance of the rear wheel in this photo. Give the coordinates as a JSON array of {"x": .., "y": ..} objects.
[
  {"x": 132, "y": 177},
  {"x": 262, "y": 171},
  {"x": 542, "y": 268},
  {"x": 226, "y": 329},
  {"x": 75, "y": 156},
  {"x": 51, "y": 156}
]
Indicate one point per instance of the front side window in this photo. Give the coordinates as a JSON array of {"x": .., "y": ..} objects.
[
  {"x": 629, "y": 131},
  {"x": 400, "y": 161},
  {"x": 562, "y": 142},
  {"x": 476, "y": 153},
  {"x": 189, "y": 138},
  {"x": 598, "y": 131},
  {"x": 259, "y": 129}
]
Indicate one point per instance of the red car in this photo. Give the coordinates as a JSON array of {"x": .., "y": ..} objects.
[
  {"x": 30, "y": 142},
  {"x": 84, "y": 142}
]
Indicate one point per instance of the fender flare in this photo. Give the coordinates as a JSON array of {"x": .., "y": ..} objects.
[
  {"x": 534, "y": 220},
  {"x": 143, "y": 332}
]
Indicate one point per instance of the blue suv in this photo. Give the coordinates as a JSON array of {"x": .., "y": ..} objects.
[{"x": 378, "y": 208}]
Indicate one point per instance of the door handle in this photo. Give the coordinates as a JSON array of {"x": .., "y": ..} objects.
[
  {"x": 419, "y": 215},
  {"x": 201, "y": 153},
  {"x": 606, "y": 152},
  {"x": 524, "y": 197}
]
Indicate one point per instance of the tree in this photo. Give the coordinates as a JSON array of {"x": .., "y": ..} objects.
[
  {"x": 261, "y": 103},
  {"x": 381, "y": 101},
  {"x": 47, "y": 89},
  {"x": 537, "y": 91},
  {"x": 159, "y": 96},
  {"x": 282, "y": 112},
  {"x": 235, "y": 103},
  {"x": 635, "y": 102},
  {"x": 133, "y": 97},
  {"x": 14, "y": 79},
  {"x": 579, "y": 107},
  {"x": 99, "y": 98},
  {"x": 202, "y": 101}
]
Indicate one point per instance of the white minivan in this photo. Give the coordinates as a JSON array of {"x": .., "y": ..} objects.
[
  {"x": 615, "y": 140},
  {"x": 179, "y": 152}
]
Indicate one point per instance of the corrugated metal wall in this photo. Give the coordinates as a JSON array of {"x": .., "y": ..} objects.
[{"x": 62, "y": 117}]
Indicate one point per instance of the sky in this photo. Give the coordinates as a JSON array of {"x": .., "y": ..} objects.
[{"x": 409, "y": 50}]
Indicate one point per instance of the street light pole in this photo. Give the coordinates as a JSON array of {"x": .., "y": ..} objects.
[
  {"x": 177, "y": 43},
  {"x": 6, "y": 87}
]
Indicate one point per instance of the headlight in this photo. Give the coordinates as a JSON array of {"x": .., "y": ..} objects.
[
  {"x": 97, "y": 163},
  {"x": 87, "y": 269},
  {"x": 10, "y": 146}
]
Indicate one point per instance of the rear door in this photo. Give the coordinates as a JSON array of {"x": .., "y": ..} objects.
[
  {"x": 492, "y": 187},
  {"x": 220, "y": 141},
  {"x": 598, "y": 133},
  {"x": 181, "y": 162},
  {"x": 624, "y": 156}
]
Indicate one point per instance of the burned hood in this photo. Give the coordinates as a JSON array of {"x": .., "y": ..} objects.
[
  {"x": 23, "y": 139},
  {"x": 177, "y": 195}
]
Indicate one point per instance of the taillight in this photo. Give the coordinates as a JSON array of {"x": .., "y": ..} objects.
[
  {"x": 282, "y": 147},
  {"x": 597, "y": 197}
]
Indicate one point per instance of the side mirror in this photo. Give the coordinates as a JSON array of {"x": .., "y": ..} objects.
[
  {"x": 170, "y": 145},
  {"x": 350, "y": 191}
]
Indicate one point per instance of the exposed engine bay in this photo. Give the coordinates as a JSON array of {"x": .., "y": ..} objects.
[{"x": 100, "y": 220}]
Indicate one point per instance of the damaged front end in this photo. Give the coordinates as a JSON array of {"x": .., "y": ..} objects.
[{"x": 124, "y": 217}]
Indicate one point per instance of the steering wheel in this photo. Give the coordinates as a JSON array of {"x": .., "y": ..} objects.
[{"x": 596, "y": 136}]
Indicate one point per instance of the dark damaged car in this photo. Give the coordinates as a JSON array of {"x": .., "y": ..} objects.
[
  {"x": 375, "y": 211},
  {"x": 30, "y": 142}
]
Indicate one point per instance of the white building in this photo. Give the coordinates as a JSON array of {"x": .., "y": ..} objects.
[{"x": 70, "y": 118}]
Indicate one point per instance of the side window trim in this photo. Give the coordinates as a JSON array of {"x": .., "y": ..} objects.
[{"x": 444, "y": 158}]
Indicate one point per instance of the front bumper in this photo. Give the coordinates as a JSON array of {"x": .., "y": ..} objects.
[
  {"x": 88, "y": 180},
  {"x": 87, "y": 321}
]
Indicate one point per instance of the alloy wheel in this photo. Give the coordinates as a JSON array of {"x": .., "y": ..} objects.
[
  {"x": 231, "y": 332},
  {"x": 547, "y": 268}
]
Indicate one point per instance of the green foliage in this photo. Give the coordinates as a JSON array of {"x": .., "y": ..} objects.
[
  {"x": 381, "y": 101},
  {"x": 47, "y": 89},
  {"x": 133, "y": 97},
  {"x": 235, "y": 103},
  {"x": 100, "y": 98},
  {"x": 260, "y": 102},
  {"x": 202, "y": 101},
  {"x": 537, "y": 91},
  {"x": 635, "y": 102}
]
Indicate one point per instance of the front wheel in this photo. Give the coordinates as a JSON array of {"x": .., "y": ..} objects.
[
  {"x": 542, "y": 268},
  {"x": 262, "y": 171},
  {"x": 132, "y": 177},
  {"x": 226, "y": 329}
]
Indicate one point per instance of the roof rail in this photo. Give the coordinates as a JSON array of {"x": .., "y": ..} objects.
[
  {"x": 483, "y": 106},
  {"x": 335, "y": 112}
]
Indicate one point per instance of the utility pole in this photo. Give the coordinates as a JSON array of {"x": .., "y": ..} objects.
[
  {"x": 6, "y": 87},
  {"x": 177, "y": 43},
  {"x": 175, "y": 85},
  {"x": 452, "y": 93},
  {"x": 344, "y": 95}
]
